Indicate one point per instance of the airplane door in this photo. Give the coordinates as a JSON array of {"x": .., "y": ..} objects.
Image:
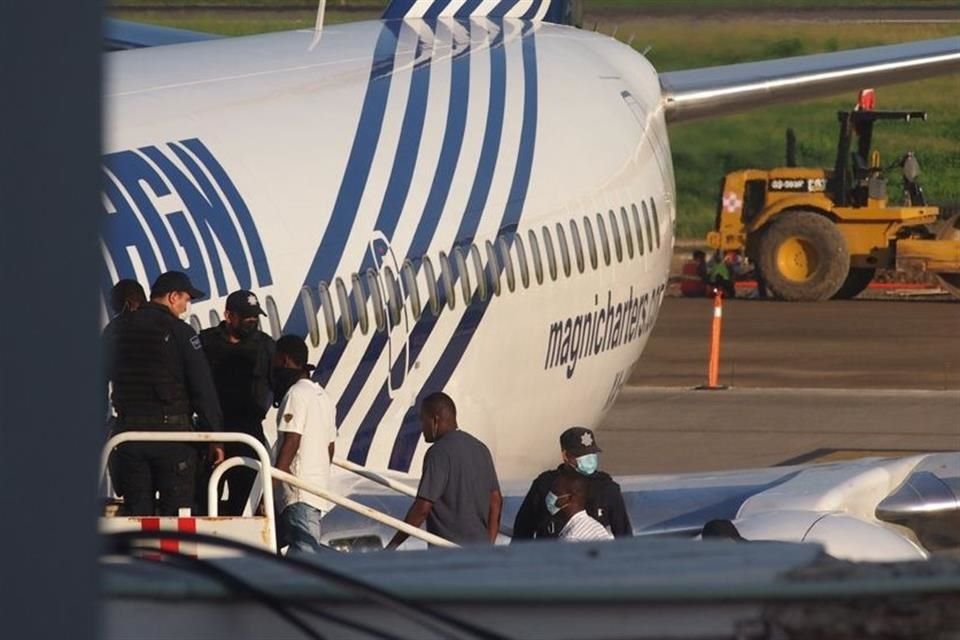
[{"x": 398, "y": 326}]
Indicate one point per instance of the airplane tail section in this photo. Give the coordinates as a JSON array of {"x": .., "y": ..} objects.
[{"x": 556, "y": 11}]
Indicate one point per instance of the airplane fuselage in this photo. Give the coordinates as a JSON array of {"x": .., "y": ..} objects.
[{"x": 481, "y": 207}]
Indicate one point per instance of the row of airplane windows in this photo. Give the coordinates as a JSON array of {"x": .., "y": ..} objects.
[{"x": 625, "y": 234}]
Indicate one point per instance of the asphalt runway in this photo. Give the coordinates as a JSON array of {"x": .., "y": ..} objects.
[{"x": 808, "y": 382}]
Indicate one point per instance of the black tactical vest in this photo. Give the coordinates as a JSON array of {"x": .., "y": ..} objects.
[
  {"x": 148, "y": 378},
  {"x": 241, "y": 374}
]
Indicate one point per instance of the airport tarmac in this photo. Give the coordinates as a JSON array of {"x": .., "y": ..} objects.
[{"x": 808, "y": 382}]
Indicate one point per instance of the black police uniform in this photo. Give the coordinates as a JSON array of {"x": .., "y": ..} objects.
[
  {"x": 160, "y": 379},
  {"x": 604, "y": 504},
  {"x": 241, "y": 373}
]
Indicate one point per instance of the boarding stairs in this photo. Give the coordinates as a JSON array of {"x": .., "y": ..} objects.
[{"x": 256, "y": 527}]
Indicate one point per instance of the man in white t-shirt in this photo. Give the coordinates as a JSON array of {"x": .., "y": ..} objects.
[
  {"x": 567, "y": 500},
  {"x": 306, "y": 431}
]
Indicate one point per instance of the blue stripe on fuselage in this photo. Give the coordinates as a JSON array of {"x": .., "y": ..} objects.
[
  {"x": 398, "y": 188},
  {"x": 365, "y": 142},
  {"x": 431, "y": 216},
  {"x": 434, "y": 11},
  {"x": 408, "y": 436},
  {"x": 427, "y": 226}
]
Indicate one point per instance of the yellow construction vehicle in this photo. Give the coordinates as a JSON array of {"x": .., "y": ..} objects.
[{"x": 815, "y": 234}]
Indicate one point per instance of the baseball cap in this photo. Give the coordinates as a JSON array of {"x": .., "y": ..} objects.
[
  {"x": 245, "y": 304},
  {"x": 578, "y": 441},
  {"x": 295, "y": 347},
  {"x": 172, "y": 281}
]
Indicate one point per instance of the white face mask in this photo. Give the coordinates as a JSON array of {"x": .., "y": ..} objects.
[
  {"x": 551, "y": 502},
  {"x": 587, "y": 464}
]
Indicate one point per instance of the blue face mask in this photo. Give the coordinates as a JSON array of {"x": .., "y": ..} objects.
[
  {"x": 551, "y": 502},
  {"x": 588, "y": 464}
]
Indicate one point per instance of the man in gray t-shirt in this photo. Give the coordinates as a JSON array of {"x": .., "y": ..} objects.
[{"x": 459, "y": 495}]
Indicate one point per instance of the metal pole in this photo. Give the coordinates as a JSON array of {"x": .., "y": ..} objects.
[{"x": 51, "y": 421}]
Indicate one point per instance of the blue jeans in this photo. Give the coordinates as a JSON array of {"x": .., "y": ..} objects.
[{"x": 300, "y": 528}]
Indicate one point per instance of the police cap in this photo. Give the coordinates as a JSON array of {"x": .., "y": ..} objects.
[
  {"x": 579, "y": 441},
  {"x": 174, "y": 281},
  {"x": 245, "y": 304}
]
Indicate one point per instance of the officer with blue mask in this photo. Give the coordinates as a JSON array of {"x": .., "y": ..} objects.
[{"x": 580, "y": 453}]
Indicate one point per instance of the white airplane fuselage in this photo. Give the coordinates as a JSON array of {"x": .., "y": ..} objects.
[{"x": 278, "y": 164}]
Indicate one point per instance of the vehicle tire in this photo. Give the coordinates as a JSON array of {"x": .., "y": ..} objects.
[
  {"x": 803, "y": 257},
  {"x": 950, "y": 230},
  {"x": 857, "y": 280}
]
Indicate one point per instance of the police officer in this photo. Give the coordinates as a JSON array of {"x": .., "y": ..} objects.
[
  {"x": 160, "y": 379},
  {"x": 605, "y": 504},
  {"x": 125, "y": 297},
  {"x": 240, "y": 356}
]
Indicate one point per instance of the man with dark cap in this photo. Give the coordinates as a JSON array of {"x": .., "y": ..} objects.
[
  {"x": 580, "y": 451},
  {"x": 240, "y": 356},
  {"x": 160, "y": 380},
  {"x": 306, "y": 436}
]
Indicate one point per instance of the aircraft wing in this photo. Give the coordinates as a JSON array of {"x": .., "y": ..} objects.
[
  {"x": 874, "y": 509},
  {"x": 122, "y": 34},
  {"x": 711, "y": 91}
]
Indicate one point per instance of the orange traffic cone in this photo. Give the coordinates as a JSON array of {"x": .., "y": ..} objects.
[{"x": 713, "y": 367}]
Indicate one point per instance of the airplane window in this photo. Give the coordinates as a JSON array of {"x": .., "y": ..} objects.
[
  {"x": 360, "y": 302},
  {"x": 577, "y": 245},
  {"x": 626, "y": 231},
  {"x": 346, "y": 313},
  {"x": 551, "y": 255},
  {"x": 591, "y": 241},
  {"x": 326, "y": 306},
  {"x": 636, "y": 223},
  {"x": 535, "y": 252},
  {"x": 646, "y": 225},
  {"x": 615, "y": 232},
  {"x": 376, "y": 298},
  {"x": 195, "y": 323},
  {"x": 214, "y": 318},
  {"x": 410, "y": 284},
  {"x": 477, "y": 262},
  {"x": 656, "y": 221},
  {"x": 394, "y": 296},
  {"x": 446, "y": 278},
  {"x": 431, "y": 277},
  {"x": 273, "y": 317},
  {"x": 564, "y": 249},
  {"x": 507, "y": 264},
  {"x": 310, "y": 311},
  {"x": 493, "y": 268},
  {"x": 522, "y": 260},
  {"x": 604, "y": 239},
  {"x": 460, "y": 262}
]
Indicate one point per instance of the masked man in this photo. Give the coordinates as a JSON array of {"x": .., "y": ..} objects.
[
  {"x": 240, "y": 356},
  {"x": 604, "y": 502}
]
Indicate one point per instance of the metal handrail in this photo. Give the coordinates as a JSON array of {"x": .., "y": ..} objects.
[
  {"x": 377, "y": 478},
  {"x": 213, "y": 486},
  {"x": 209, "y": 437},
  {"x": 268, "y": 474},
  {"x": 346, "y": 503},
  {"x": 399, "y": 487}
]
